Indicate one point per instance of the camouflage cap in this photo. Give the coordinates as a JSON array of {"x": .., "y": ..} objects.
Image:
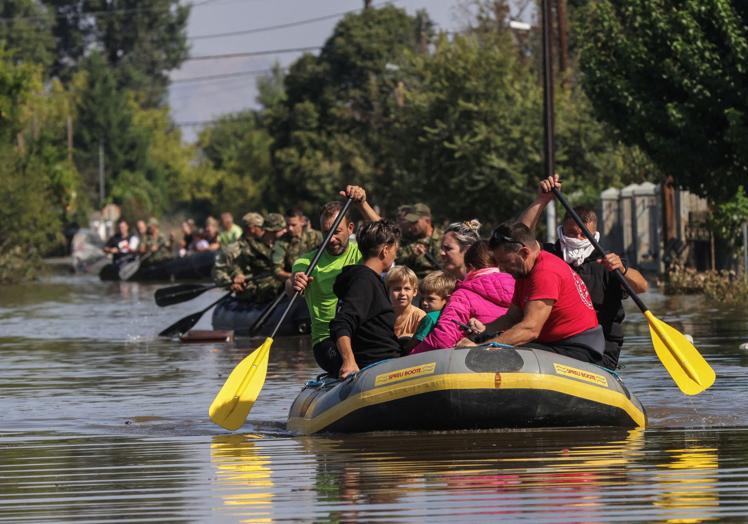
[
  {"x": 274, "y": 222},
  {"x": 153, "y": 222},
  {"x": 253, "y": 219},
  {"x": 417, "y": 212},
  {"x": 404, "y": 209}
]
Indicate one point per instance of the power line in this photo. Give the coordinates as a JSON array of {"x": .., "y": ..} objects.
[
  {"x": 278, "y": 26},
  {"x": 110, "y": 12},
  {"x": 255, "y": 53},
  {"x": 221, "y": 76},
  {"x": 196, "y": 123}
]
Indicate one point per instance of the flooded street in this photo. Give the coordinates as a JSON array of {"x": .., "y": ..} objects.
[{"x": 103, "y": 422}]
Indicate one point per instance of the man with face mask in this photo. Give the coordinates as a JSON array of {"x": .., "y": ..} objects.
[
  {"x": 595, "y": 269},
  {"x": 551, "y": 309},
  {"x": 339, "y": 253}
]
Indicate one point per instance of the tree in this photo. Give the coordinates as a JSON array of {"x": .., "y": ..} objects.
[
  {"x": 25, "y": 28},
  {"x": 105, "y": 119},
  {"x": 42, "y": 187},
  {"x": 329, "y": 128},
  {"x": 141, "y": 41},
  {"x": 237, "y": 148},
  {"x": 670, "y": 77}
]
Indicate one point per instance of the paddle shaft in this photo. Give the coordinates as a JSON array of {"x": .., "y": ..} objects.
[
  {"x": 126, "y": 268},
  {"x": 314, "y": 261},
  {"x": 625, "y": 283},
  {"x": 224, "y": 297},
  {"x": 257, "y": 324},
  {"x": 176, "y": 294}
]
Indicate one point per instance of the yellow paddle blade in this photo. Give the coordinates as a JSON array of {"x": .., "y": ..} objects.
[
  {"x": 238, "y": 394},
  {"x": 682, "y": 360}
]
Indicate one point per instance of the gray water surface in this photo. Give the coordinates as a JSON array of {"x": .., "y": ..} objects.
[{"x": 103, "y": 422}]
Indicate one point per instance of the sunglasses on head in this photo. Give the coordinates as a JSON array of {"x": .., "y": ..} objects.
[{"x": 498, "y": 238}]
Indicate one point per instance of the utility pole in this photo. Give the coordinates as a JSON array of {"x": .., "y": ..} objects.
[
  {"x": 550, "y": 210},
  {"x": 563, "y": 37},
  {"x": 70, "y": 138},
  {"x": 745, "y": 251},
  {"x": 101, "y": 175}
]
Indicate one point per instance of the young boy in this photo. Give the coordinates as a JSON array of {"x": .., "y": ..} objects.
[
  {"x": 363, "y": 327},
  {"x": 402, "y": 284},
  {"x": 435, "y": 290}
]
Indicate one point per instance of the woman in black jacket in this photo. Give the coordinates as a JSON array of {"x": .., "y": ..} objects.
[{"x": 363, "y": 328}]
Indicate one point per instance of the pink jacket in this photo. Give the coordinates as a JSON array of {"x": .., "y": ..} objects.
[{"x": 485, "y": 294}]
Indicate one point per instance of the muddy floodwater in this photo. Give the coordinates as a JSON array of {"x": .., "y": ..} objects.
[{"x": 103, "y": 422}]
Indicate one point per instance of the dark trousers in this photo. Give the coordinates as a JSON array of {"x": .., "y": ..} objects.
[
  {"x": 328, "y": 357},
  {"x": 587, "y": 346}
]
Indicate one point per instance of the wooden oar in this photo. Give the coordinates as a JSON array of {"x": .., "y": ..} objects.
[
  {"x": 168, "y": 296},
  {"x": 185, "y": 324},
  {"x": 682, "y": 360},
  {"x": 233, "y": 402}
]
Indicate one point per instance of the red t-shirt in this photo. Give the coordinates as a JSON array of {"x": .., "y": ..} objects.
[{"x": 553, "y": 279}]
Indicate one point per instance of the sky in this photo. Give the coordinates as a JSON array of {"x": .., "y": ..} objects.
[{"x": 197, "y": 101}]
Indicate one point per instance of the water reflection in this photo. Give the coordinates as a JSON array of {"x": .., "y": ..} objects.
[
  {"x": 512, "y": 475},
  {"x": 243, "y": 474},
  {"x": 688, "y": 484}
]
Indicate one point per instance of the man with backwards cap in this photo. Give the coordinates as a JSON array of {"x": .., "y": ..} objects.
[
  {"x": 249, "y": 257},
  {"x": 422, "y": 240}
]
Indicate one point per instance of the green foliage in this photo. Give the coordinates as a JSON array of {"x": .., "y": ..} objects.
[
  {"x": 237, "y": 149},
  {"x": 728, "y": 218},
  {"x": 330, "y": 128},
  {"x": 139, "y": 41},
  {"x": 105, "y": 119},
  {"x": 670, "y": 77},
  {"x": 25, "y": 27},
  {"x": 42, "y": 186}
]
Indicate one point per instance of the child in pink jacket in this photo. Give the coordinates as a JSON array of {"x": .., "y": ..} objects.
[{"x": 485, "y": 293}]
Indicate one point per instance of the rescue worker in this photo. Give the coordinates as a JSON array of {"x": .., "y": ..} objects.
[
  {"x": 422, "y": 240},
  {"x": 595, "y": 269},
  {"x": 155, "y": 246},
  {"x": 297, "y": 240},
  {"x": 246, "y": 266}
]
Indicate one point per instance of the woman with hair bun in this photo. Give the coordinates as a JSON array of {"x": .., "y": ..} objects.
[
  {"x": 484, "y": 292},
  {"x": 458, "y": 237}
]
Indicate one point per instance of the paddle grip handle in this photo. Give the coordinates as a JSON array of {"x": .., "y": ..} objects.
[
  {"x": 561, "y": 198},
  {"x": 314, "y": 261}
]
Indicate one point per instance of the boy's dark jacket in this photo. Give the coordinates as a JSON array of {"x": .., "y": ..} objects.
[{"x": 364, "y": 314}]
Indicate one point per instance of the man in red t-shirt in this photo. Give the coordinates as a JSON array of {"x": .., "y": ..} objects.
[{"x": 552, "y": 308}]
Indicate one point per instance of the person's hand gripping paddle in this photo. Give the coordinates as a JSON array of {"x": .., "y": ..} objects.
[
  {"x": 233, "y": 402},
  {"x": 681, "y": 359}
]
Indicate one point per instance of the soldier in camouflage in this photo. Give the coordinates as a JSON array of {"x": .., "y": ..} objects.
[
  {"x": 246, "y": 266},
  {"x": 154, "y": 246},
  {"x": 296, "y": 240},
  {"x": 422, "y": 241}
]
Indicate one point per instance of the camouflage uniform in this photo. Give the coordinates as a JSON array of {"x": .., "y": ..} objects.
[
  {"x": 291, "y": 248},
  {"x": 421, "y": 265},
  {"x": 162, "y": 253},
  {"x": 250, "y": 257}
]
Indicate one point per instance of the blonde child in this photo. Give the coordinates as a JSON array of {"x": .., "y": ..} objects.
[
  {"x": 435, "y": 290},
  {"x": 402, "y": 284}
]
